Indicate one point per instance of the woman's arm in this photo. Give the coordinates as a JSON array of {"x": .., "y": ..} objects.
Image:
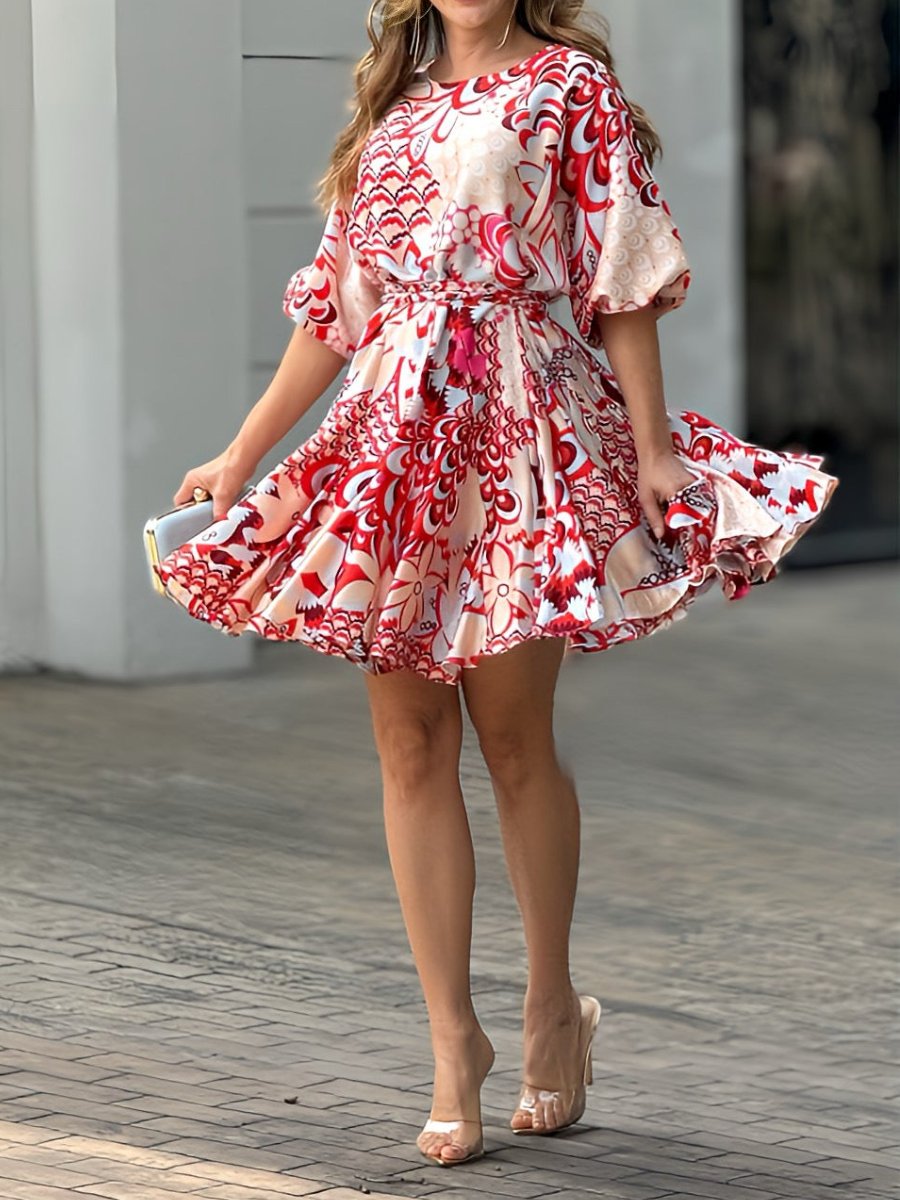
[
  {"x": 632, "y": 347},
  {"x": 306, "y": 369}
]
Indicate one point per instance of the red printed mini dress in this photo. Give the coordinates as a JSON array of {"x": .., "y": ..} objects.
[{"x": 473, "y": 484}]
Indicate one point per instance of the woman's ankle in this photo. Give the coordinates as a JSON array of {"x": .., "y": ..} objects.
[
  {"x": 454, "y": 1025},
  {"x": 555, "y": 1000},
  {"x": 456, "y": 1045}
]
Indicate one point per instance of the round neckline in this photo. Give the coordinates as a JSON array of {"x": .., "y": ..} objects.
[{"x": 489, "y": 75}]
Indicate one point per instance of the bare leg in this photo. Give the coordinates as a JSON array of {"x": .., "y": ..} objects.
[
  {"x": 509, "y": 698},
  {"x": 418, "y": 732}
]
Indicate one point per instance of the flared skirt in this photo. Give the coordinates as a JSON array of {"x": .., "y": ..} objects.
[{"x": 473, "y": 486}]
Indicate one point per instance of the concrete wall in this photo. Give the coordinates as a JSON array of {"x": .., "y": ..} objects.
[
  {"x": 157, "y": 177},
  {"x": 682, "y": 62},
  {"x": 20, "y": 565},
  {"x": 140, "y": 299},
  {"x": 295, "y": 64}
]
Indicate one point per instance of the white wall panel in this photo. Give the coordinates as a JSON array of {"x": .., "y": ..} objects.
[
  {"x": 293, "y": 111},
  {"x": 298, "y": 89},
  {"x": 682, "y": 63},
  {"x": 305, "y": 27},
  {"x": 184, "y": 278},
  {"x": 276, "y": 247},
  {"x": 139, "y": 227},
  {"x": 21, "y": 580}
]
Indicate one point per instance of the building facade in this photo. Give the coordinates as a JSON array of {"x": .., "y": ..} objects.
[{"x": 158, "y": 163}]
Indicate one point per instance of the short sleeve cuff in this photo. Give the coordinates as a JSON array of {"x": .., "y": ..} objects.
[
  {"x": 643, "y": 262},
  {"x": 306, "y": 303}
]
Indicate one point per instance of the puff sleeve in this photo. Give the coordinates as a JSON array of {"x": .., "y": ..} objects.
[
  {"x": 332, "y": 297},
  {"x": 623, "y": 249}
]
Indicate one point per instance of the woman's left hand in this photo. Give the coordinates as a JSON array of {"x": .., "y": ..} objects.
[{"x": 659, "y": 478}]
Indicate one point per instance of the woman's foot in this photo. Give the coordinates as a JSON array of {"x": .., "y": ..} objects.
[
  {"x": 462, "y": 1059},
  {"x": 557, "y": 1049}
]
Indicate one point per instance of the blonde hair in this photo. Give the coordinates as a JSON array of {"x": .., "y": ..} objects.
[{"x": 387, "y": 69}]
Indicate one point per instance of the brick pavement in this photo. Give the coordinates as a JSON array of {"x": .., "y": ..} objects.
[{"x": 205, "y": 989}]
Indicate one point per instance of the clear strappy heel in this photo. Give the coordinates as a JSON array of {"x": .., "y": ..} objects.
[
  {"x": 569, "y": 1102},
  {"x": 472, "y": 1150}
]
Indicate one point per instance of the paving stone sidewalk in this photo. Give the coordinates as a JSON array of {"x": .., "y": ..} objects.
[{"x": 206, "y": 991}]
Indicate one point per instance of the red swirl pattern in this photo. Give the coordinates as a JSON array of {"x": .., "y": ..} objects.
[{"x": 473, "y": 484}]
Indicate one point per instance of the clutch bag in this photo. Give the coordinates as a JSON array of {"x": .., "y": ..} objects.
[{"x": 171, "y": 529}]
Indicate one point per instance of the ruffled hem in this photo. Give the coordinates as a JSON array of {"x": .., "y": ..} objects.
[{"x": 707, "y": 543}]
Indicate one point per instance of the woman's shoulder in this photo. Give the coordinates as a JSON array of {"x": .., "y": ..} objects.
[{"x": 577, "y": 68}]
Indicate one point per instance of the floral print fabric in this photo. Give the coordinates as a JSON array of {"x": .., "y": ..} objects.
[{"x": 474, "y": 483}]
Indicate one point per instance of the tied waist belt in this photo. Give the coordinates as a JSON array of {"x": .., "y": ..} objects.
[{"x": 468, "y": 295}]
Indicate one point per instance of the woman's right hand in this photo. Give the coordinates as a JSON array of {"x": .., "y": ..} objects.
[{"x": 224, "y": 477}]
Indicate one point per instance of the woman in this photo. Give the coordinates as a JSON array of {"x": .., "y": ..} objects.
[{"x": 483, "y": 492}]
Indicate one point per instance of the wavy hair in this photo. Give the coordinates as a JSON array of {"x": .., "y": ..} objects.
[{"x": 387, "y": 68}]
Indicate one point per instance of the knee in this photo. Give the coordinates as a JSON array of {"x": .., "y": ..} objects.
[
  {"x": 415, "y": 749},
  {"x": 514, "y": 753}
]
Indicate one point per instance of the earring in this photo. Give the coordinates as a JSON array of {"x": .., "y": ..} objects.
[
  {"x": 416, "y": 41},
  {"x": 508, "y": 23}
]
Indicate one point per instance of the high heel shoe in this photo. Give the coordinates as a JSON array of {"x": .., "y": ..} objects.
[
  {"x": 472, "y": 1150},
  {"x": 569, "y": 1102}
]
